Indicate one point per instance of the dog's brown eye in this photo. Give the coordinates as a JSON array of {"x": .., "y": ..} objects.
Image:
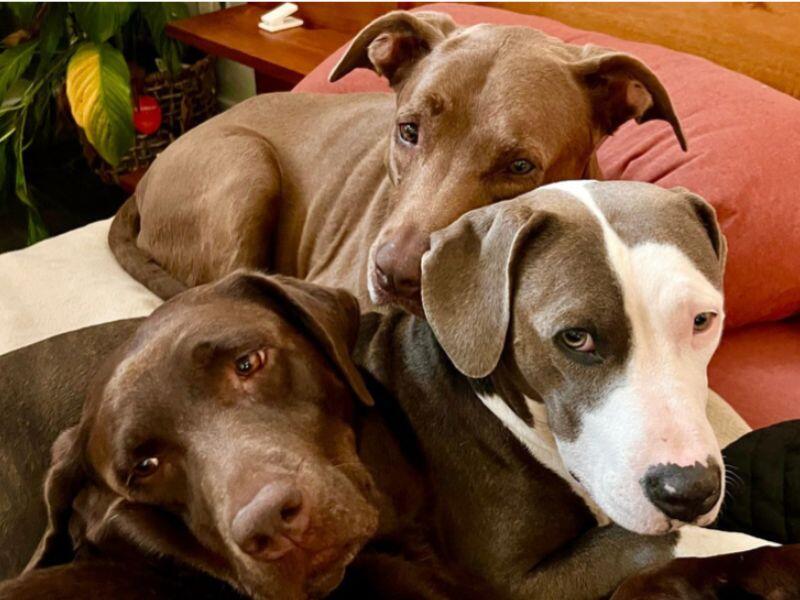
[
  {"x": 703, "y": 321},
  {"x": 249, "y": 363},
  {"x": 520, "y": 167},
  {"x": 145, "y": 468},
  {"x": 578, "y": 340},
  {"x": 409, "y": 132}
]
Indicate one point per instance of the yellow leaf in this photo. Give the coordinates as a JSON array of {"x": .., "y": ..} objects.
[{"x": 98, "y": 90}]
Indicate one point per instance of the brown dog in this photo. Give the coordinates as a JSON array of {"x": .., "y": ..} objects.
[
  {"x": 345, "y": 190},
  {"x": 221, "y": 436},
  {"x": 223, "y": 441}
]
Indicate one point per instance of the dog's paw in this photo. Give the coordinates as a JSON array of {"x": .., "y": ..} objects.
[{"x": 770, "y": 572}]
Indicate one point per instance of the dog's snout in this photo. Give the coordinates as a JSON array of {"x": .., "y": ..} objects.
[
  {"x": 397, "y": 262},
  {"x": 683, "y": 493},
  {"x": 267, "y": 525}
]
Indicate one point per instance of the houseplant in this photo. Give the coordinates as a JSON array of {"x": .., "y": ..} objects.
[{"x": 82, "y": 49}]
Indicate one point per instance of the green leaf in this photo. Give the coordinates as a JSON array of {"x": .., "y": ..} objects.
[
  {"x": 3, "y": 170},
  {"x": 157, "y": 15},
  {"x": 99, "y": 94},
  {"x": 7, "y": 127},
  {"x": 36, "y": 228},
  {"x": 23, "y": 11},
  {"x": 54, "y": 26},
  {"x": 13, "y": 63},
  {"x": 101, "y": 20},
  {"x": 42, "y": 126}
]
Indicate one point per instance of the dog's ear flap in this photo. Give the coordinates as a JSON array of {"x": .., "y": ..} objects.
[
  {"x": 620, "y": 88},
  {"x": 467, "y": 280},
  {"x": 330, "y": 315},
  {"x": 392, "y": 44},
  {"x": 707, "y": 217},
  {"x": 64, "y": 481}
]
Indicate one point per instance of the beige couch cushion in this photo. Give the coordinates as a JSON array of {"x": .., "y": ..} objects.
[{"x": 65, "y": 283}]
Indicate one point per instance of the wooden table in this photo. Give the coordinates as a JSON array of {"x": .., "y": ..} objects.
[{"x": 280, "y": 59}]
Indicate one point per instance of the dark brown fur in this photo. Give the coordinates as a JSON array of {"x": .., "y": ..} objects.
[{"x": 171, "y": 391}]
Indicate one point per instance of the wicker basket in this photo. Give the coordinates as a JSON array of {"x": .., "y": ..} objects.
[{"x": 185, "y": 101}]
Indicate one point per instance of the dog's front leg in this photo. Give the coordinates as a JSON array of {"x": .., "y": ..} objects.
[
  {"x": 595, "y": 564},
  {"x": 765, "y": 572},
  {"x": 599, "y": 561}
]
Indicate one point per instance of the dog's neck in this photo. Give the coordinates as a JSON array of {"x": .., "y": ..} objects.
[{"x": 534, "y": 434}]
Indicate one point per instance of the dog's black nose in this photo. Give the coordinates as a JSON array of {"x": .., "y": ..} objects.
[
  {"x": 683, "y": 493},
  {"x": 265, "y": 527}
]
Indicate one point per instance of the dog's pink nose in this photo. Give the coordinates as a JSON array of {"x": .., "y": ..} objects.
[
  {"x": 397, "y": 262},
  {"x": 265, "y": 527}
]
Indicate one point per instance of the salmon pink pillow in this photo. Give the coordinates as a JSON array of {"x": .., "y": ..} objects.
[{"x": 744, "y": 156}]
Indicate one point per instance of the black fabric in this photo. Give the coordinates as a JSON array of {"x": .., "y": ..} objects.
[{"x": 763, "y": 484}]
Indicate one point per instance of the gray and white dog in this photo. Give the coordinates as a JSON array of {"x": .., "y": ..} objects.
[{"x": 583, "y": 316}]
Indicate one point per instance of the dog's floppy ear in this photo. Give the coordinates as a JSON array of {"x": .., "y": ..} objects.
[
  {"x": 393, "y": 43},
  {"x": 620, "y": 88},
  {"x": 707, "y": 217},
  {"x": 467, "y": 279},
  {"x": 64, "y": 481},
  {"x": 330, "y": 315}
]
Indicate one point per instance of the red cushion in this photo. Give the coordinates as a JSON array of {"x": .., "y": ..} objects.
[
  {"x": 757, "y": 370},
  {"x": 744, "y": 157}
]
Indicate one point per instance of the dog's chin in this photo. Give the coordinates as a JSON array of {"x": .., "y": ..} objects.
[
  {"x": 648, "y": 520},
  {"x": 298, "y": 575},
  {"x": 411, "y": 305},
  {"x": 328, "y": 569},
  {"x": 380, "y": 297}
]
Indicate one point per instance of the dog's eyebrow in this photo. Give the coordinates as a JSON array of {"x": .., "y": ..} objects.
[
  {"x": 228, "y": 341},
  {"x": 437, "y": 103},
  {"x": 511, "y": 148},
  {"x": 549, "y": 322}
]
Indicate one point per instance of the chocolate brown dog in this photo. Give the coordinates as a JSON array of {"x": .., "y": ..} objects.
[
  {"x": 221, "y": 437},
  {"x": 226, "y": 440},
  {"x": 344, "y": 190}
]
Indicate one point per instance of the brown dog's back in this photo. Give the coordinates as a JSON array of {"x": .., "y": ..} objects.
[{"x": 256, "y": 187}]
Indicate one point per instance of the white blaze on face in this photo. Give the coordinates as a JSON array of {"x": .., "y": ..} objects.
[{"x": 655, "y": 412}]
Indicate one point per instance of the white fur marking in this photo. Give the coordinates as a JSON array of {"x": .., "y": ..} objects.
[
  {"x": 541, "y": 444},
  {"x": 697, "y": 542},
  {"x": 655, "y": 412}
]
